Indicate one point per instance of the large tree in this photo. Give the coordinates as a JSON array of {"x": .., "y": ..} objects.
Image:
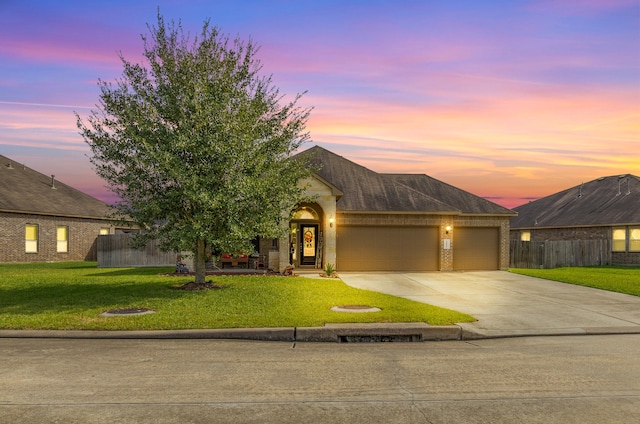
[{"x": 196, "y": 143}]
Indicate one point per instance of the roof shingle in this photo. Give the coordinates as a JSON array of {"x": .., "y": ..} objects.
[
  {"x": 368, "y": 191},
  {"x": 24, "y": 190},
  {"x": 605, "y": 201}
]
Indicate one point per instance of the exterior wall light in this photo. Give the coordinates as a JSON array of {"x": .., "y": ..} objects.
[
  {"x": 447, "y": 228},
  {"x": 331, "y": 221}
]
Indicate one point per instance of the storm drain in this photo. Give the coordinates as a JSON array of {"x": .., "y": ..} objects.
[
  {"x": 387, "y": 338},
  {"x": 355, "y": 308},
  {"x": 127, "y": 311}
]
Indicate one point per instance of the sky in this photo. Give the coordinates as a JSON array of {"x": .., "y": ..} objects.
[{"x": 510, "y": 100}]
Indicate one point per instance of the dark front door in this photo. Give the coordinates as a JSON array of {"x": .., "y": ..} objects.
[{"x": 308, "y": 244}]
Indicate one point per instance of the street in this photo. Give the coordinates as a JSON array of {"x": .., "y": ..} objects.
[{"x": 581, "y": 379}]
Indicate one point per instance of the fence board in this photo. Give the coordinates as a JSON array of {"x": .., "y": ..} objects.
[
  {"x": 559, "y": 253},
  {"x": 114, "y": 251}
]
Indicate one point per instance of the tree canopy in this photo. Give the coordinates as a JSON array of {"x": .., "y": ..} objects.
[{"x": 196, "y": 143}]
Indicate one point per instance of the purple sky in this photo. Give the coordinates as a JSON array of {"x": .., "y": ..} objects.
[{"x": 510, "y": 100}]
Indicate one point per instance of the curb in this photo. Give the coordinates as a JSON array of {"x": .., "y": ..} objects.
[
  {"x": 328, "y": 333},
  {"x": 336, "y": 333}
]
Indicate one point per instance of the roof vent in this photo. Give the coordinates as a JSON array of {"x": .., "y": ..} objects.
[
  {"x": 580, "y": 192},
  {"x": 9, "y": 166},
  {"x": 628, "y": 188},
  {"x": 619, "y": 179},
  {"x": 53, "y": 181}
]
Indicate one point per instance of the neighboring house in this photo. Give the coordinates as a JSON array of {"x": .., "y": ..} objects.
[
  {"x": 604, "y": 209},
  {"x": 365, "y": 221},
  {"x": 42, "y": 219}
]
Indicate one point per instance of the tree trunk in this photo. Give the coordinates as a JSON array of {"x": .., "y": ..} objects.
[{"x": 199, "y": 260}]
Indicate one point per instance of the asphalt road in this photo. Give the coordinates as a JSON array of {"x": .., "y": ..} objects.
[{"x": 577, "y": 379}]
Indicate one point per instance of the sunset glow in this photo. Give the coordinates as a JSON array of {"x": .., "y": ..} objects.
[{"x": 510, "y": 100}]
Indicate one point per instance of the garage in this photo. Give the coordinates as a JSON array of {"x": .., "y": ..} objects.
[
  {"x": 476, "y": 248},
  {"x": 388, "y": 248}
]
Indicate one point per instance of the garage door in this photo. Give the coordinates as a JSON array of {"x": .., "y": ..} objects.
[
  {"x": 476, "y": 249},
  {"x": 370, "y": 248}
]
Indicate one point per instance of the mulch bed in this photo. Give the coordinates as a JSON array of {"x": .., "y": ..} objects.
[{"x": 192, "y": 286}]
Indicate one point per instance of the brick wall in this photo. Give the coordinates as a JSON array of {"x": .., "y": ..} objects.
[
  {"x": 585, "y": 233},
  {"x": 625, "y": 258},
  {"x": 441, "y": 221},
  {"x": 81, "y": 238}
]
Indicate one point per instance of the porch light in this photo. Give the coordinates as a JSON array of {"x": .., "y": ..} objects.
[
  {"x": 447, "y": 228},
  {"x": 331, "y": 221}
]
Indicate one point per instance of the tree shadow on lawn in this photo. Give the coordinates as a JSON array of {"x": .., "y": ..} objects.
[
  {"x": 61, "y": 297},
  {"x": 133, "y": 272}
]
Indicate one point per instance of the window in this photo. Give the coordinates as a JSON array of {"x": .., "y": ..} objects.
[
  {"x": 306, "y": 212},
  {"x": 634, "y": 238},
  {"x": 31, "y": 238},
  {"x": 525, "y": 236},
  {"x": 619, "y": 239},
  {"x": 104, "y": 231},
  {"x": 62, "y": 235}
]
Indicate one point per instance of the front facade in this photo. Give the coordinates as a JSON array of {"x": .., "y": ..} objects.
[
  {"x": 364, "y": 221},
  {"x": 607, "y": 208},
  {"x": 44, "y": 220}
]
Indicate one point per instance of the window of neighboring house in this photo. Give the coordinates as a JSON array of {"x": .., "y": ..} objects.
[
  {"x": 619, "y": 239},
  {"x": 31, "y": 238},
  {"x": 525, "y": 236},
  {"x": 104, "y": 231},
  {"x": 634, "y": 238},
  {"x": 62, "y": 235}
]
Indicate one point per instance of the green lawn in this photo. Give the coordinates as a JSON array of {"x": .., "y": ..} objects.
[
  {"x": 72, "y": 295},
  {"x": 622, "y": 279}
]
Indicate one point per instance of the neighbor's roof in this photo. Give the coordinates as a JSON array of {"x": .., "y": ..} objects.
[
  {"x": 368, "y": 191},
  {"x": 23, "y": 190},
  {"x": 605, "y": 201}
]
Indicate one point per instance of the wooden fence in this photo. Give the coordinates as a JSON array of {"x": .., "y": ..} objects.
[
  {"x": 555, "y": 254},
  {"x": 114, "y": 251}
]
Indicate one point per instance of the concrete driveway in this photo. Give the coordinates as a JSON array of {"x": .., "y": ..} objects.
[{"x": 507, "y": 304}]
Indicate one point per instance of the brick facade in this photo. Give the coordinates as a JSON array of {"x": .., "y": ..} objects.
[
  {"x": 575, "y": 233},
  {"x": 406, "y": 219},
  {"x": 82, "y": 236}
]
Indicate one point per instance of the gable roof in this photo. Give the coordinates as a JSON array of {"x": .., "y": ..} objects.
[
  {"x": 24, "y": 190},
  {"x": 368, "y": 191},
  {"x": 604, "y": 201}
]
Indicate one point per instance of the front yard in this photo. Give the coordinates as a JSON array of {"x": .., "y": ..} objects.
[{"x": 72, "y": 296}]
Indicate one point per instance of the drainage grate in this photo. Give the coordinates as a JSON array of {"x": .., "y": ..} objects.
[{"x": 381, "y": 338}]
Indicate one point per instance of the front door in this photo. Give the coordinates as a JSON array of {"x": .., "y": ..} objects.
[{"x": 308, "y": 244}]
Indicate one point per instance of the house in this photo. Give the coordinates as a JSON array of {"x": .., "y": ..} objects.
[
  {"x": 607, "y": 208},
  {"x": 361, "y": 220},
  {"x": 42, "y": 219}
]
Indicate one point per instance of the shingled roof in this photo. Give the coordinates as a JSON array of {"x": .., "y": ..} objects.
[
  {"x": 613, "y": 200},
  {"x": 368, "y": 191},
  {"x": 24, "y": 190}
]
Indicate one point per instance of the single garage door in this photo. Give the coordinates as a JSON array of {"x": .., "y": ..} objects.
[
  {"x": 371, "y": 248},
  {"x": 476, "y": 249}
]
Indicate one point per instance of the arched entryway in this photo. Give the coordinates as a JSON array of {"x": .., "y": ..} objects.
[{"x": 306, "y": 236}]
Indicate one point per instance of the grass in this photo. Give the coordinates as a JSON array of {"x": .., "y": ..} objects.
[
  {"x": 72, "y": 295},
  {"x": 622, "y": 279}
]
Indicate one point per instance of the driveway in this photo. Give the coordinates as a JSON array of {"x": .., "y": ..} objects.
[{"x": 507, "y": 304}]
